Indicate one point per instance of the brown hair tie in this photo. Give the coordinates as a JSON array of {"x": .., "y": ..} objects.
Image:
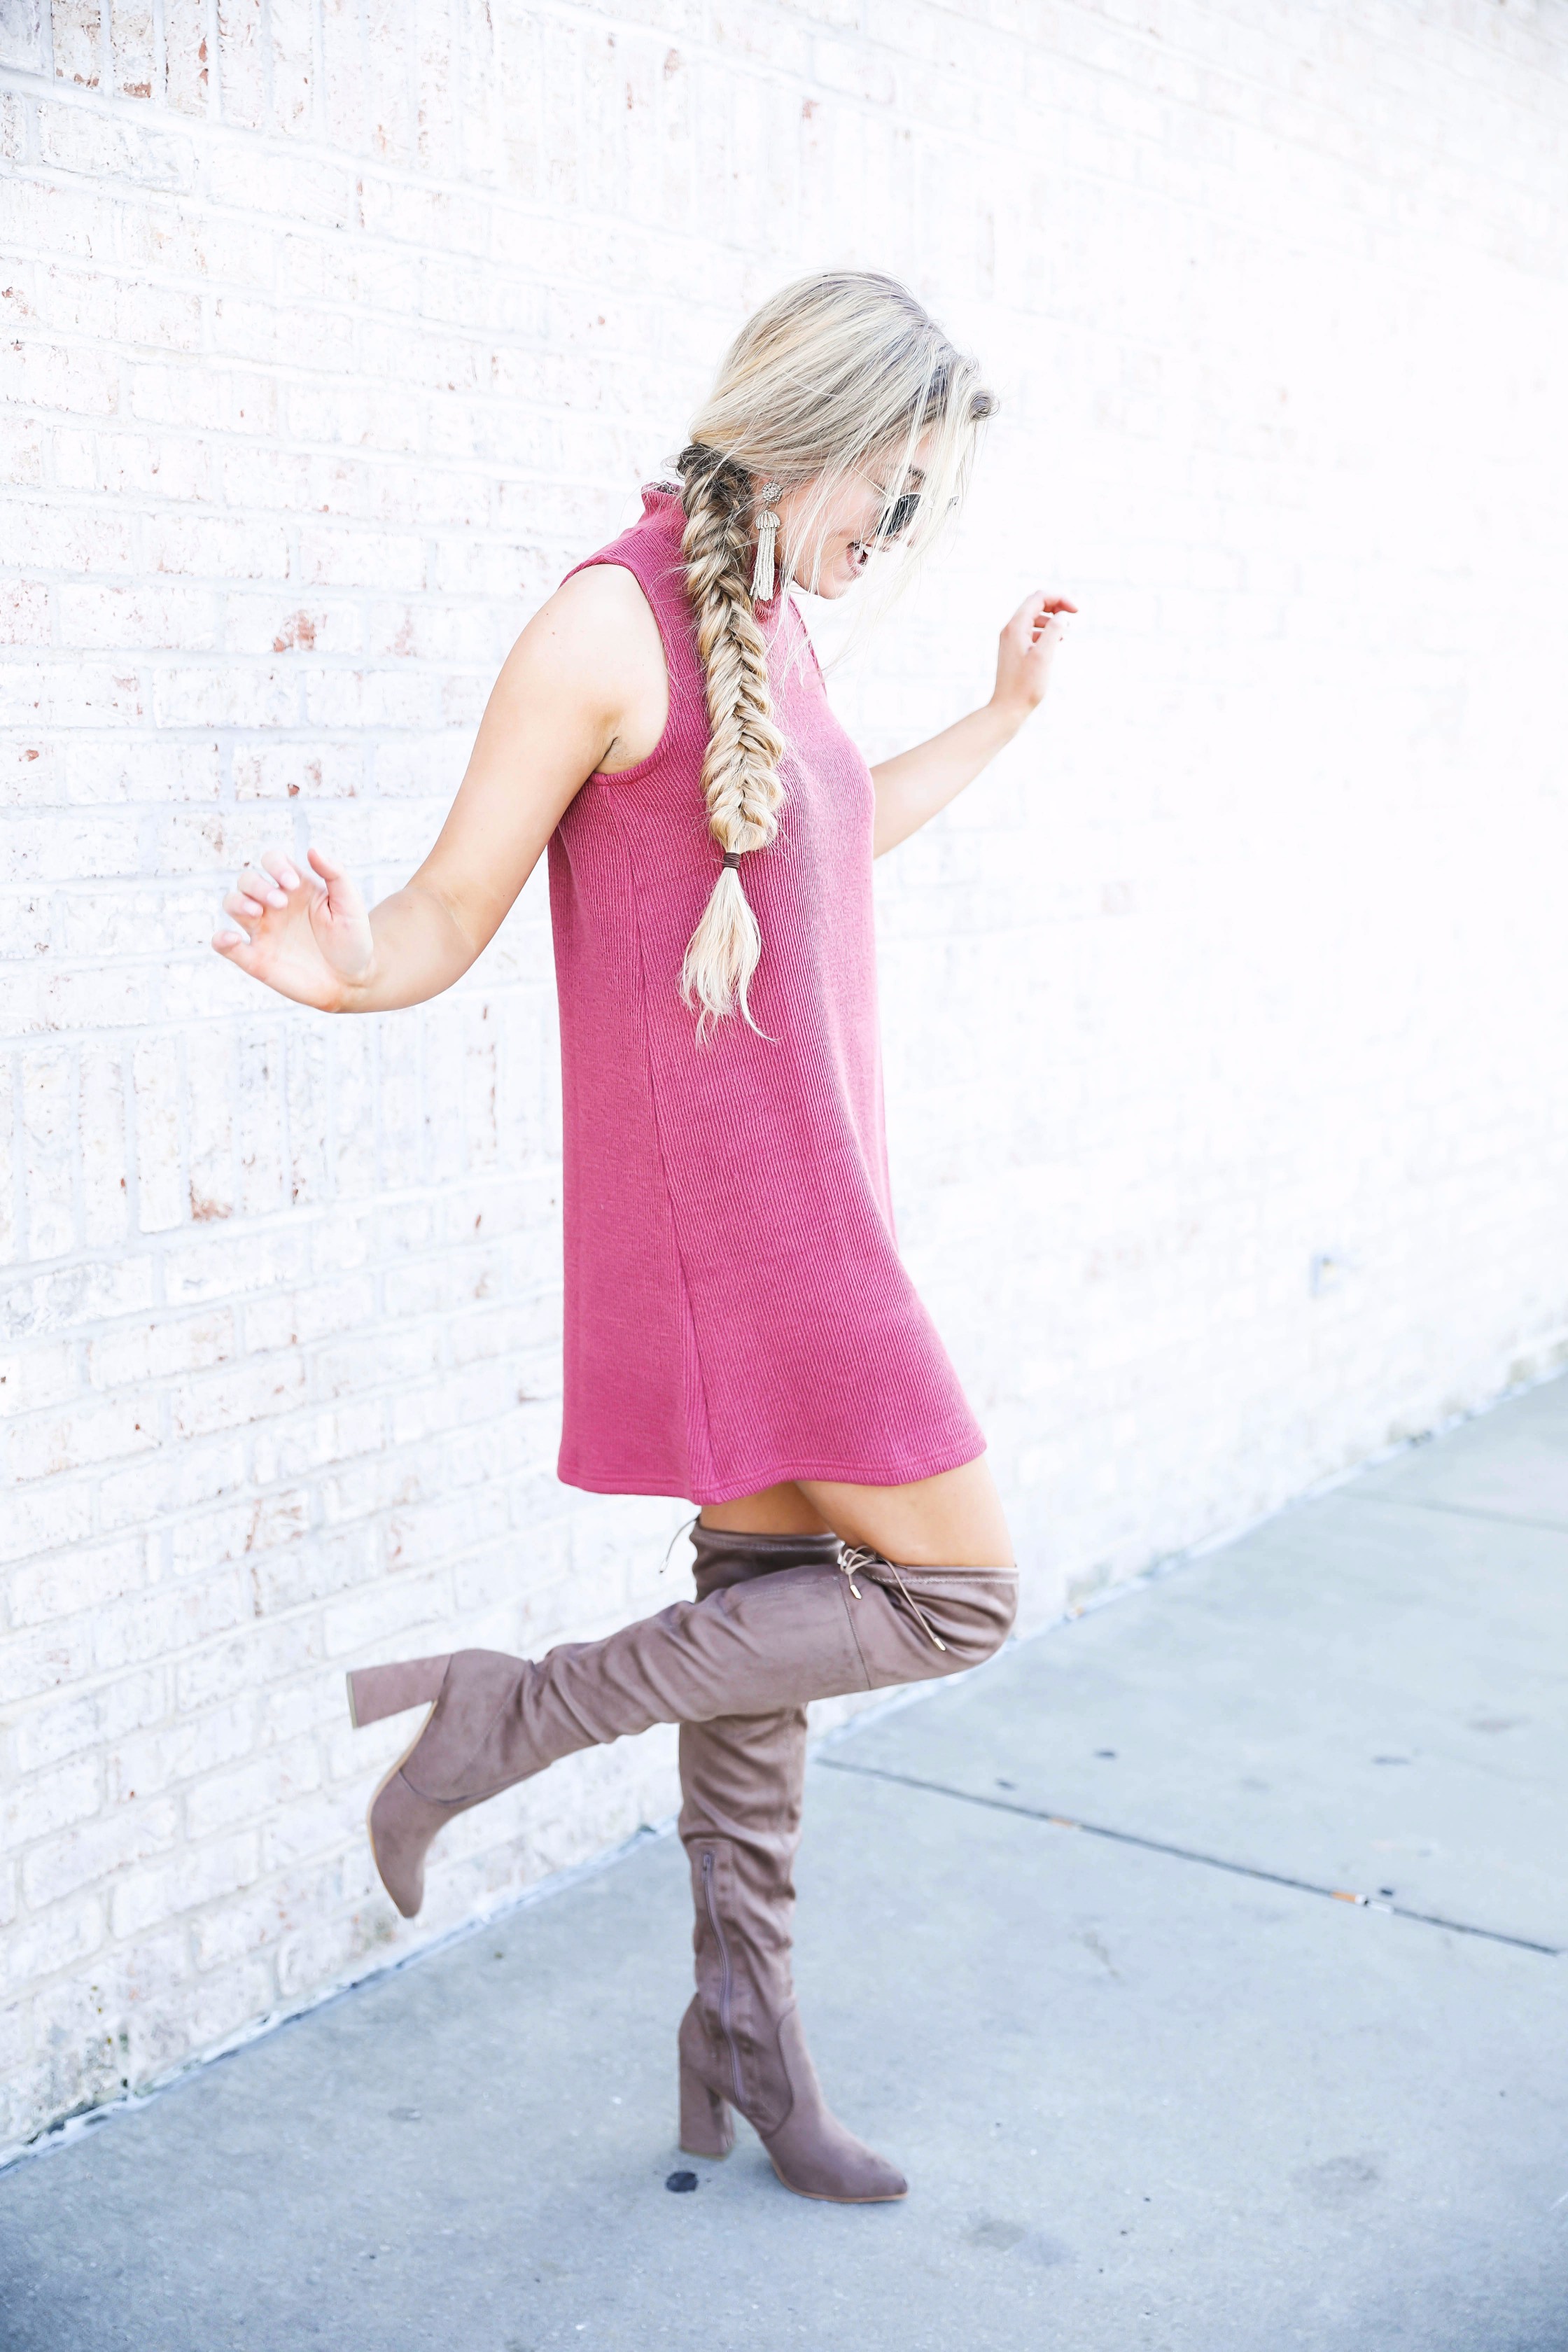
[{"x": 732, "y": 858}]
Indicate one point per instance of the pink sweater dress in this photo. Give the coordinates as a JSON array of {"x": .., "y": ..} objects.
[{"x": 736, "y": 1310}]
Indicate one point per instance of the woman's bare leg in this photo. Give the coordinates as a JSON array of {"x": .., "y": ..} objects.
[
  {"x": 775, "y": 1511},
  {"x": 954, "y": 1521}
]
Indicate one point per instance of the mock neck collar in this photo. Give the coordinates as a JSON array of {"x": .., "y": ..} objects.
[{"x": 659, "y": 503}]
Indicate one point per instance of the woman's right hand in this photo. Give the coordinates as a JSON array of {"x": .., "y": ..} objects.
[{"x": 309, "y": 939}]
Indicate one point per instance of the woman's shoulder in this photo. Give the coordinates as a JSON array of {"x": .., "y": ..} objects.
[
  {"x": 602, "y": 595},
  {"x": 615, "y": 633},
  {"x": 601, "y": 638}
]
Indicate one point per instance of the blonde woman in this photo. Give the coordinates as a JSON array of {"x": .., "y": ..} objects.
[{"x": 739, "y": 1327}]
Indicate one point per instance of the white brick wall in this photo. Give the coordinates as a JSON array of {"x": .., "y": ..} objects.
[{"x": 331, "y": 334}]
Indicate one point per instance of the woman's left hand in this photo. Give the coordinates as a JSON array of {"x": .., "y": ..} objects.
[{"x": 1025, "y": 651}]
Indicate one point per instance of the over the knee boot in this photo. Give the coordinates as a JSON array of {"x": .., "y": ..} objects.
[
  {"x": 743, "y": 1780},
  {"x": 812, "y": 1631}
]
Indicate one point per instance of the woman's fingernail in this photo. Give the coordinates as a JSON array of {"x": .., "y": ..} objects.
[{"x": 288, "y": 878}]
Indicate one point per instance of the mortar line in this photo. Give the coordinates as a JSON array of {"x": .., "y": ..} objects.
[{"x": 1191, "y": 1853}]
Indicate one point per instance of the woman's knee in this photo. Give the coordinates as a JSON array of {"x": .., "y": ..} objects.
[{"x": 972, "y": 1609}]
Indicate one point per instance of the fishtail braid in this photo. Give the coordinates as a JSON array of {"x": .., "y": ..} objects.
[{"x": 741, "y": 782}]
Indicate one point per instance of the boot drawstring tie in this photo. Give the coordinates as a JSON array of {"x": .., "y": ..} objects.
[
  {"x": 675, "y": 1538},
  {"x": 853, "y": 1556}
]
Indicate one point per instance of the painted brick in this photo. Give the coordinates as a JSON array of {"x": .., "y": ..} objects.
[
  {"x": 60, "y": 1938},
  {"x": 151, "y": 1626},
  {"x": 133, "y": 1355},
  {"x": 37, "y": 1376},
  {"x": 272, "y": 1783},
  {"x": 134, "y": 48},
  {"x": 22, "y": 36},
  {"x": 25, "y": 613},
  {"x": 256, "y": 1922},
  {"x": 242, "y": 63},
  {"x": 88, "y": 1720},
  {"x": 120, "y": 769},
  {"x": 196, "y": 1876},
  {"x": 56, "y": 1442},
  {"x": 156, "y": 615},
  {"x": 190, "y": 1749},
  {"x": 44, "y": 1589},
  {"x": 91, "y": 1855},
  {"x": 226, "y": 2000},
  {"x": 59, "y": 377},
  {"x": 49, "y": 1802}
]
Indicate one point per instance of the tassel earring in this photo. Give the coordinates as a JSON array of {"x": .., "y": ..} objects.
[{"x": 767, "y": 532}]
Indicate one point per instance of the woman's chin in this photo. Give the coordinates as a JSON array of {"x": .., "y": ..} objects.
[{"x": 837, "y": 580}]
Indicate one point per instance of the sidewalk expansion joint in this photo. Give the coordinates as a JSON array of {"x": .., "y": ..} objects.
[
  {"x": 1191, "y": 1853},
  {"x": 1465, "y": 1511}
]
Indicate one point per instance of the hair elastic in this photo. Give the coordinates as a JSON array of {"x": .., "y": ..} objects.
[{"x": 732, "y": 858}]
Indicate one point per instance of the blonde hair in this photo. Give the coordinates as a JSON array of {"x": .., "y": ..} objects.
[{"x": 836, "y": 371}]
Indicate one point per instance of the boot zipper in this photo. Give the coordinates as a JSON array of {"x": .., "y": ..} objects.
[{"x": 725, "y": 1979}]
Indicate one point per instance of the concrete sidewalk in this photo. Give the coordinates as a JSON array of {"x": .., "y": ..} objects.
[{"x": 1153, "y": 2086}]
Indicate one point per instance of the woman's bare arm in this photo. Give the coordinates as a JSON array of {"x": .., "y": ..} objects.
[
  {"x": 583, "y": 689},
  {"x": 911, "y": 788}
]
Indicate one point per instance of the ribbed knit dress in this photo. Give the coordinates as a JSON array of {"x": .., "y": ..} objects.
[{"x": 736, "y": 1310}]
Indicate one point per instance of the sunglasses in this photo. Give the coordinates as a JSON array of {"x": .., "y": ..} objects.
[{"x": 897, "y": 516}]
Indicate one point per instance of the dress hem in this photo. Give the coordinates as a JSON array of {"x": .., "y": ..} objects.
[{"x": 845, "y": 1473}]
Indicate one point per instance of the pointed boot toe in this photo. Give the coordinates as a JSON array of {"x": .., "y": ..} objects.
[
  {"x": 811, "y": 2151},
  {"x": 401, "y": 1825},
  {"x": 817, "y": 2157},
  {"x": 850, "y": 2174}
]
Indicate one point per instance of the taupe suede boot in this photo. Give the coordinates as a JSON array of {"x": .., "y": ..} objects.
[
  {"x": 806, "y": 1633},
  {"x": 743, "y": 1780}
]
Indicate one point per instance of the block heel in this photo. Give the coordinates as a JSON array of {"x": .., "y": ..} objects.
[
  {"x": 375, "y": 1691},
  {"x": 707, "y": 2127}
]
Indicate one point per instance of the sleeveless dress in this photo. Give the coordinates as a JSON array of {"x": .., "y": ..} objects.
[{"x": 736, "y": 1312}]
